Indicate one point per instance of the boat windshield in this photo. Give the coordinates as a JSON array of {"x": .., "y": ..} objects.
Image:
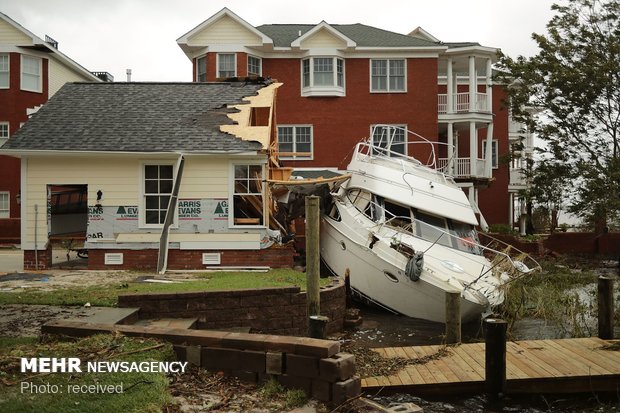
[{"x": 432, "y": 228}]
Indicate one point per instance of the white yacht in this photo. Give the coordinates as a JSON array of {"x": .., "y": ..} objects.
[{"x": 405, "y": 233}]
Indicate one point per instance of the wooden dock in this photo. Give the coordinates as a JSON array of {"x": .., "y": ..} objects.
[{"x": 533, "y": 366}]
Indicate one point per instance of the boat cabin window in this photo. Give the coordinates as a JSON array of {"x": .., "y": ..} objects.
[
  {"x": 397, "y": 215},
  {"x": 365, "y": 203},
  {"x": 432, "y": 228},
  {"x": 465, "y": 237},
  {"x": 333, "y": 212}
]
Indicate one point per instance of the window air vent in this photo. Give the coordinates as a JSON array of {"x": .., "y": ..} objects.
[
  {"x": 114, "y": 259},
  {"x": 211, "y": 258}
]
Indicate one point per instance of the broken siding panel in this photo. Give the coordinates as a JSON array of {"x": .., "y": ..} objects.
[
  {"x": 10, "y": 35},
  {"x": 118, "y": 179},
  {"x": 225, "y": 31},
  {"x": 323, "y": 39},
  {"x": 60, "y": 74}
]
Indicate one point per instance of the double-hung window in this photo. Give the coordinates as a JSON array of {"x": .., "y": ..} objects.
[
  {"x": 494, "y": 152},
  {"x": 322, "y": 76},
  {"x": 4, "y": 71},
  {"x": 5, "y": 205},
  {"x": 255, "y": 66},
  {"x": 4, "y": 132},
  {"x": 226, "y": 65},
  {"x": 201, "y": 69},
  {"x": 31, "y": 74},
  {"x": 157, "y": 189},
  {"x": 295, "y": 141},
  {"x": 391, "y": 137},
  {"x": 388, "y": 75},
  {"x": 248, "y": 201}
]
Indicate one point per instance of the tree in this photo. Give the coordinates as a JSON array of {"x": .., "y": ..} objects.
[{"x": 575, "y": 81}]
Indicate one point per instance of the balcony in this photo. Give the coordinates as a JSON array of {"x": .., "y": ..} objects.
[
  {"x": 517, "y": 178},
  {"x": 463, "y": 169},
  {"x": 461, "y": 103}
]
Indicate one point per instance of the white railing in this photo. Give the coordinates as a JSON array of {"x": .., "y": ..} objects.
[
  {"x": 462, "y": 168},
  {"x": 461, "y": 104},
  {"x": 517, "y": 177}
]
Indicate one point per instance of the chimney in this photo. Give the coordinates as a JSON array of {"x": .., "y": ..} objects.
[{"x": 128, "y": 75}]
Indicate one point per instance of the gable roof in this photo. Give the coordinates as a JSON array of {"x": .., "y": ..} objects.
[
  {"x": 136, "y": 117},
  {"x": 39, "y": 44},
  {"x": 284, "y": 35}
]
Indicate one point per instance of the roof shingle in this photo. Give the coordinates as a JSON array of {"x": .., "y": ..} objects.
[{"x": 137, "y": 117}]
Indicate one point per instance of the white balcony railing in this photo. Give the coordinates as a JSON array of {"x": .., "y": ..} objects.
[
  {"x": 462, "y": 168},
  {"x": 517, "y": 177},
  {"x": 461, "y": 103}
]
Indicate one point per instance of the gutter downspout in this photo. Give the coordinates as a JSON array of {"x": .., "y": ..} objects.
[
  {"x": 162, "y": 258},
  {"x": 36, "y": 248}
]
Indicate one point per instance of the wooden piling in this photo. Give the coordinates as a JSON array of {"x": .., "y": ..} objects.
[
  {"x": 312, "y": 257},
  {"x": 453, "y": 317},
  {"x": 605, "y": 308},
  {"x": 495, "y": 357}
]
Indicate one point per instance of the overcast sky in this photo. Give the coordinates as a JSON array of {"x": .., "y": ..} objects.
[{"x": 113, "y": 35}]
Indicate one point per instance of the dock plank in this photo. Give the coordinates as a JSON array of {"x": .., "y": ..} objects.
[{"x": 566, "y": 365}]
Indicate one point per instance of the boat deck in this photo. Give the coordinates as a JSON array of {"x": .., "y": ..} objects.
[{"x": 533, "y": 366}]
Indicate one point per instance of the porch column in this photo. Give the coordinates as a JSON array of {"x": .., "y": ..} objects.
[
  {"x": 473, "y": 87},
  {"x": 451, "y": 151},
  {"x": 488, "y": 156},
  {"x": 511, "y": 212},
  {"x": 450, "y": 87},
  {"x": 489, "y": 85},
  {"x": 473, "y": 149}
]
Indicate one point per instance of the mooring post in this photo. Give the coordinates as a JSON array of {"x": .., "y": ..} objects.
[
  {"x": 453, "y": 317},
  {"x": 312, "y": 262},
  {"x": 495, "y": 357},
  {"x": 605, "y": 308}
]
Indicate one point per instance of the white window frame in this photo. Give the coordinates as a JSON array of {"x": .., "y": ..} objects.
[
  {"x": 234, "y": 63},
  {"x": 198, "y": 59},
  {"x": 298, "y": 158},
  {"x": 5, "y": 213},
  {"x": 335, "y": 89},
  {"x": 232, "y": 193},
  {"x": 260, "y": 66},
  {"x": 142, "y": 201},
  {"x": 7, "y": 71},
  {"x": 4, "y": 126},
  {"x": 494, "y": 152},
  {"x": 402, "y": 127},
  {"x": 39, "y": 88},
  {"x": 387, "y": 86}
]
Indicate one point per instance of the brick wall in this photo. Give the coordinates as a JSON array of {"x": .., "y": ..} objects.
[
  {"x": 583, "y": 243},
  {"x": 267, "y": 310},
  {"x": 315, "y": 366},
  {"x": 276, "y": 256},
  {"x": 44, "y": 257}
]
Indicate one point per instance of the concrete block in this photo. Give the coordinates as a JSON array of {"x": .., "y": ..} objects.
[
  {"x": 294, "y": 382},
  {"x": 338, "y": 367},
  {"x": 303, "y": 366},
  {"x": 404, "y": 408},
  {"x": 345, "y": 390},
  {"x": 215, "y": 359},
  {"x": 192, "y": 355},
  {"x": 274, "y": 362},
  {"x": 180, "y": 352},
  {"x": 321, "y": 390},
  {"x": 252, "y": 361},
  {"x": 247, "y": 376}
]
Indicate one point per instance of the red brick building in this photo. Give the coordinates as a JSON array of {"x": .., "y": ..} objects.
[
  {"x": 31, "y": 71},
  {"x": 341, "y": 80}
]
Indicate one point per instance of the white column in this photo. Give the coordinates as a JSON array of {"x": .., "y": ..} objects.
[
  {"x": 489, "y": 85},
  {"x": 473, "y": 86},
  {"x": 488, "y": 156},
  {"x": 473, "y": 149},
  {"x": 511, "y": 213},
  {"x": 450, "y": 87},
  {"x": 451, "y": 151},
  {"x": 23, "y": 199}
]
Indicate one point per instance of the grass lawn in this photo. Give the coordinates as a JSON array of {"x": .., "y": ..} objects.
[
  {"x": 141, "y": 392},
  {"x": 107, "y": 294}
]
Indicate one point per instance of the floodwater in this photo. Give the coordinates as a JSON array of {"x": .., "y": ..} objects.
[{"x": 384, "y": 329}]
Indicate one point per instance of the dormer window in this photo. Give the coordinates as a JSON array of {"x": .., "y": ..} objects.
[{"x": 322, "y": 76}]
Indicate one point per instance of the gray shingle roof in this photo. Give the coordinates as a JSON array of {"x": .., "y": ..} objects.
[
  {"x": 136, "y": 117},
  {"x": 365, "y": 36}
]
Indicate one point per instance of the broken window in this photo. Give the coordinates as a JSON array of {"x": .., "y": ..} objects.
[
  {"x": 248, "y": 200},
  {"x": 432, "y": 228},
  {"x": 397, "y": 215},
  {"x": 158, "y": 182}
]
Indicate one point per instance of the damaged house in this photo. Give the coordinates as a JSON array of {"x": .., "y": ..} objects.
[{"x": 174, "y": 175}]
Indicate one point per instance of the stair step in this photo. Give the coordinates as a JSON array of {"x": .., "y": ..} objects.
[{"x": 187, "y": 323}]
